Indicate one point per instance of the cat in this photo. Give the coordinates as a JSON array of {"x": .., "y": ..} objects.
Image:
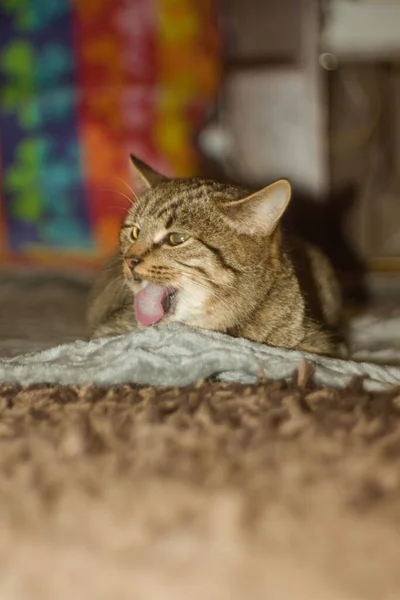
[{"x": 214, "y": 256}]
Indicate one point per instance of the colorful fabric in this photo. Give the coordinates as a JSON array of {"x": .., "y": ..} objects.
[{"x": 83, "y": 84}]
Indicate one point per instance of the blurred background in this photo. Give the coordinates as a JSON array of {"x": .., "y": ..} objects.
[{"x": 247, "y": 90}]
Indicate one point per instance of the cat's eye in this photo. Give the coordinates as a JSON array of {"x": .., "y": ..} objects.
[
  {"x": 135, "y": 232},
  {"x": 174, "y": 239}
]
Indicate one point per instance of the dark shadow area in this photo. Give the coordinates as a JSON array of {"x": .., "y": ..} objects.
[{"x": 322, "y": 221}]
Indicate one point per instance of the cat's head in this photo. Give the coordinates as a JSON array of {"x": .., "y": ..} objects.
[{"x": 197, "y": 251}]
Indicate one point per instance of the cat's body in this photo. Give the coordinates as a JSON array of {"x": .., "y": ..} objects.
[{"x": 233, "y": 269}]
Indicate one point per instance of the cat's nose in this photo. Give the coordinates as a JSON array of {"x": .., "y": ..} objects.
[{"x": 133, "y": 261}]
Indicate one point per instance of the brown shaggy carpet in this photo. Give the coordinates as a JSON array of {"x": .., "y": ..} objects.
[{"x": 216, "y": 491}]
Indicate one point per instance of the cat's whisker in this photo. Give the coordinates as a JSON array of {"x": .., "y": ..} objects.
[
  {"x": 119, "y": 193},
  {"x": 121, "y": 278},
  {"x": 119, "y": 261},
  {"x": 119, "y": 206},
  {"x": 112, "y": 282},
  {"x": 208, "y": 279},
  {"x": 201, "y": 281},
  {"x": 189, "y": 277},
  {"x": 109, "y": 269},
  {"x": 129, "y": 188},
  {"x": 201, "y": 285},
  {"x": 224, "y": 304},
  {"x": 202, "y": 276},
  {"x": 124, "y": 285}
]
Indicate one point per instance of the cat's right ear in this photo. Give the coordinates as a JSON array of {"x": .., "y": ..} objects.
[
  {"x": 260, "y": 212},
  {"x": 144, "y": 177}
]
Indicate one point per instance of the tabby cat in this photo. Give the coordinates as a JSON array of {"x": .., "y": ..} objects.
[{"x": 214, "y": 256}]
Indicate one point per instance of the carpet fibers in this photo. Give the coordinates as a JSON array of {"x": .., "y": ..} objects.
[{"x": 215, "y": 491}]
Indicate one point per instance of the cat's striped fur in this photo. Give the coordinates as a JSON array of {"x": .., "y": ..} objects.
[{"x": 235, "y": 274}]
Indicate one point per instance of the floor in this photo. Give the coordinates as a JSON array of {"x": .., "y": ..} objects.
[
  {"x": 217, "y": 491},
  {"x": 39, "y": 310}
]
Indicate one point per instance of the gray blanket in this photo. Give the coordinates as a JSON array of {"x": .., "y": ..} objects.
[{"x": 176, "y": 355}]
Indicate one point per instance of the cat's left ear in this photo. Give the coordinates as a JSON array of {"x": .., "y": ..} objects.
[
  {"x": 260, "y": 212},
  {"x": 144, "y": 177}
]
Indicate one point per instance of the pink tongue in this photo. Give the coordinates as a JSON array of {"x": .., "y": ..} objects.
[{"x": 148, "y": 304}]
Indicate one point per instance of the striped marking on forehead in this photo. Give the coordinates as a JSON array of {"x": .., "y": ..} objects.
[
  {"x": 166, "y": 199},
  {"x": 181, "y": 193}
]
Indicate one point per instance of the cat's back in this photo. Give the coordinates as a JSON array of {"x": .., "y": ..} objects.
[{"x": 318, "y": 282}]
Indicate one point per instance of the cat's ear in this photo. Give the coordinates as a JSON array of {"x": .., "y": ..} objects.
[
  {"x": 144, "y": 177},
  {"x": 260, "y": 212}
]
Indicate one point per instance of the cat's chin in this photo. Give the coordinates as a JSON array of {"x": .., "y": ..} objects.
[{"x": 134, "y": 285}]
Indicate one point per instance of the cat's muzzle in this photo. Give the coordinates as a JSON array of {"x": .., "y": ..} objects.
[{"x": 132, "y": 262}]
